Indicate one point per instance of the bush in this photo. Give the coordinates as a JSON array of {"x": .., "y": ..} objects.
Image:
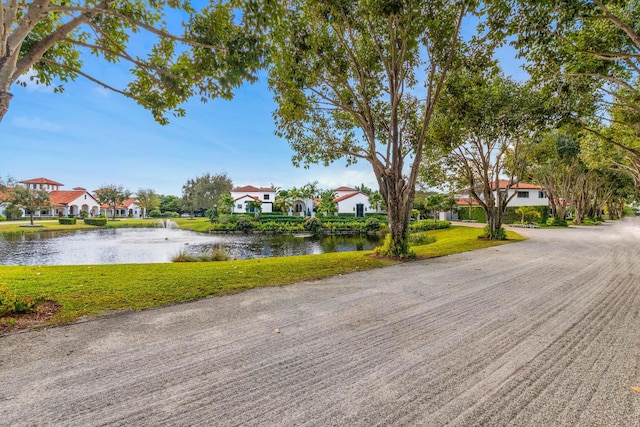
[
  {"x": 386, "y": 250},
  {"x": 244, "y": 225},
  {"x": 372, "y": 224},
  {"x": 100, "y": 222},
  {"x": 420, "y": 239},
  {"x": 428, "y": 224},
  {"x": 67, "y": 221},
  {"x": 217, "y": 255},
  {"x": 499, "y": 234},
  {"x": 313, "y": 225},
  {"x": 13, "y": 212},
  {"x": 2, "y": 218},
  {"x": 84, "y": 214},
  {"x": 170, "y": 214},
  {"x": 11, "y": 304},
  {"x": 154, "y": 213},
  {"x": 557, "y": 222}
]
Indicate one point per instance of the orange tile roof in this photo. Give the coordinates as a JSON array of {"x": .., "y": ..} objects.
[
  {"x": 465, "y": 201},
  {"x": 516, "y": 185},
  {"x": 41, "y": 181},
  {"x": 343, "y": 188},
  {"x": 64, "y": 197},
  {"x": 129, "y": 202},
  {"x": 347, "y": 196},
  {"x": 252, "y": 189}
]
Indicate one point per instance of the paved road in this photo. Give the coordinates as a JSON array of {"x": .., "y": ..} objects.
[{"x": 537, "y": 333}]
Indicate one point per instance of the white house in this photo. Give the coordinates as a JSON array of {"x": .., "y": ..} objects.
[
  {"x": 524, "y": 194},
  {"x": 63, "y": 202},
  {"x": 128, "y": 208},
  {"x": 243, "y": 195},
  {"x": 352, "y": 201}
]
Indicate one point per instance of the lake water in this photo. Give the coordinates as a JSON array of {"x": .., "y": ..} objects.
[{"x": 159, "y": 245}]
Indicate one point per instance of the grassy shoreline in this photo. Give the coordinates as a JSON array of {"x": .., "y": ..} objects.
[{"x": 93, "y": 290}]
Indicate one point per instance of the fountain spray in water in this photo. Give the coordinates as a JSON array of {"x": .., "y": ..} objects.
[{"x": 167, "y": 223}]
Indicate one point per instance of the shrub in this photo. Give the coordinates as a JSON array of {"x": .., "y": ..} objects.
[
  {"x": 420, "y": 239},
  {"x": 13, "y": 212},
  {"x": 84, "y": 214},
  {"x": 11, "y": 304},
  {"x": 216, "y": 255},
  {"x": 499, "y": 234},
  {"x": 313, "y": 225},
  {"x": 100, "y": 222},
  {"x": 429, "y": 224},
  {"x": 170, "y": 214},
  {"x": 244, "y": 225},
  {"x": 67, "y": 221},
  {"x": 385, "y": 248},
  {"x": 154, "y": 213},
  {"x": 557, "y": 222},
  {"x": 2, "y": 218},
  {"x": 372, "y": 224}
]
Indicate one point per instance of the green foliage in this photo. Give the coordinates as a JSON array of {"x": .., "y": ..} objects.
[
  {"x": 83, "y": 214},
  {"x": 2, "y": 218},
  {"x": 477, "y": 214},
  {"x": 112, "y": 195},
  {"x": 557, "y": 222},
  {"x": 30, "y": 200},
  {"x": 372, "y": 224},
  {"x": 244, "y": 224},
  {"x": 100, "y": 222},
  {"x": 395, "y": 248},
  {"x": 154, "y": 213},
  {"x": 313, "y": 225},
  {"x": 13, "y": 212},
  {"x": 428, "y": 224},
  {"x": 420, "y": 239},
  {"x": 513, "y": 215},
  {"x": 67, "y": 221},
  {"x": 11, "y": 304},
  {"x": 215, "y": 255},
  {"x": 499, "y": 234}
]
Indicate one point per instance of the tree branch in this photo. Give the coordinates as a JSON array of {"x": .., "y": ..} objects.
[{"x": 93, "y": 79}]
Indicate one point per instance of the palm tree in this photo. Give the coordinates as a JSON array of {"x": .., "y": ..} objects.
[
  {"x": 526, "y": 211},
  {"x": 375, "y": 200}
]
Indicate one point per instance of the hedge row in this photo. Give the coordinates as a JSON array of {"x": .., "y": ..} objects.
[
  {"x": 67, "y": 221},
  {"x": 100, "y": 222},
  {"x": 428, "y": 224},
  {"x": 510, "y": 214},
  {"x": 313, "y": 225}
]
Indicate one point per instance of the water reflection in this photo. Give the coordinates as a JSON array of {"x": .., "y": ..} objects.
[{"x": 141, "y": 245}]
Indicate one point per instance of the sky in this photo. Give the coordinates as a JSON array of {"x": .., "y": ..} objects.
[{"x": 90, "y": 137}]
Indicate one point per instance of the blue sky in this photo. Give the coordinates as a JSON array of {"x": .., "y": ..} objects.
[{"x": 90, "y": 137}]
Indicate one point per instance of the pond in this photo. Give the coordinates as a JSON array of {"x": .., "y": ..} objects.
[{"x": 159, "y": 245}]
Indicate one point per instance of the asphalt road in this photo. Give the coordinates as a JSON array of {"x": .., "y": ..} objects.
[{"x": 538, "y": 333}]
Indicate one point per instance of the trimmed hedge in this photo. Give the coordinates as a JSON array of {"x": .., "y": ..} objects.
[
  {"x": 428, "y": 224},
  {"x": 510, "y": 215},
  {"x": 100, "y": 222},
  {"x": 67, "y": 221}
]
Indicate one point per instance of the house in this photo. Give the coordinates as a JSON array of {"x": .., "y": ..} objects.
[
  {"x": 524, "y": 194},
  {"x": 243, "y": 195},
  {"x": 352, "y": 201},
  {"x": 63, "y": 202},
  {"x": 128, "y": 208}
]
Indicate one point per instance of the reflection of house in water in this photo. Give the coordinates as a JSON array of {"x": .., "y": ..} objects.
[{"x": 63, "y": 202}]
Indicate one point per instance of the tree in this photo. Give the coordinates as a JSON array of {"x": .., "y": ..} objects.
[
  {"x": 170, "y": 204},
  {"x": 255, "y": 206},
  {"x": 376, "y": 201},
  {"x": 29, "y": 199},
  {"x": 327, "y": 204},
  {"x": 202, "y": 193},
  {"x": 588, "y": 51},
  {"x": 148, "y": 199},
  {"x": 360, "y": 80},
  {"x": 528, "y": 211},
  {"x": 364, "y": 189},
  {"x": 51, "y": 39},
  {"x": 225, "y": 203},
  {"x": 487, "y": 119},
  {"x": 112, "y": 195}
]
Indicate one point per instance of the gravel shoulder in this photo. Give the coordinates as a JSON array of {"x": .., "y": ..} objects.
[{"x": 542, "y": 332}]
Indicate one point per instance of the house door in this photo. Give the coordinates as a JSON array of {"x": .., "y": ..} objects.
[{"x": 360, "y": 210}]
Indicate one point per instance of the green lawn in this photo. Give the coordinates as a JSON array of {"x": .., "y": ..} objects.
[{"x": 96, "y": 289}]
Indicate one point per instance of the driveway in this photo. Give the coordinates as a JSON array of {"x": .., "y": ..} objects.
[{"x": 537, "y": 333}]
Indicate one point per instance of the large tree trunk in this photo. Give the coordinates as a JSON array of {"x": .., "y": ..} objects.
[
  {"x": 5, "y": 98},
  {"x": 399, "y": 197}
]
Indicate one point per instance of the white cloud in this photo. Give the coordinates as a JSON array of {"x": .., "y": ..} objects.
[
  {"x": 103, "y": 92},
  {"x": 33, "y": 84},
  {"x": 36, "y": 124}
]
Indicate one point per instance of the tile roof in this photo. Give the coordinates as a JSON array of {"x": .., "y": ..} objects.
[
  {"x": 516, "y": 185},
  {"x": 343, "y": 188},
  {"x": 347, "y": 196},
  {"x": 252, "y": 189},
  {"x": 129, "y": 202},
  {"x": 464, "y": 201},
  {"x": 41, "y": 181},
  {"x": 64, "y": 197}
]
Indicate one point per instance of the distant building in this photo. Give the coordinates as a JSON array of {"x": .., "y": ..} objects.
[{"x": 243, "y": 195}]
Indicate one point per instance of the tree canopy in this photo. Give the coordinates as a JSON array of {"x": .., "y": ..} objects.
[{"x": 208, "y": 57}]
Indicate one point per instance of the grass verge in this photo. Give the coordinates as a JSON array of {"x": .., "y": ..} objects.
[{"x": 92, "y": 290}]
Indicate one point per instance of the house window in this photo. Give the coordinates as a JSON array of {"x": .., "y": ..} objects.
[
  {"x": 542, "y": 195},
  {"x": 239, "y": 205},
  {"x": 266, "y": 197},
  {"x": 523, "y": 194}
]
